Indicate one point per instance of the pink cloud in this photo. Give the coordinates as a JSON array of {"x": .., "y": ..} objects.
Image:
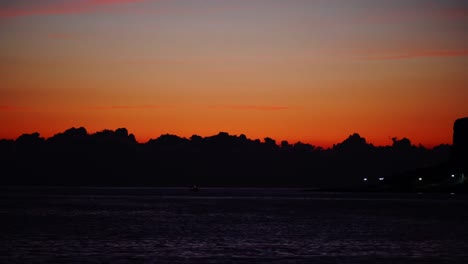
[
  {"x": 253, "y": 107},
  {"x": 420, "y": 54},
  {"x": 75, "y": 7}
]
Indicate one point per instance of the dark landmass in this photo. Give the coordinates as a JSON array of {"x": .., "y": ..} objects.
[{"x": 115, "y": 158}]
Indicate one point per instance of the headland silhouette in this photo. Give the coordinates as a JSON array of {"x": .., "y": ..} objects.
[{"x": 114, "y": 158}]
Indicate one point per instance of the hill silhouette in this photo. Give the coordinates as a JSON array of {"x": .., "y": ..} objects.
[{"x": 114, "y": 158}]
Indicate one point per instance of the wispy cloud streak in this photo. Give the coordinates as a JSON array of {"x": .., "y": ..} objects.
[
  {"x": 453, "y": 13},
  {"x": 12, "y": 108},
  {"x": 74, "y": 7},
  {"x": 419, "y": 54},
  {"x": 252, "y": 107},
  {"x": 410, "y": 15},
  {"x": 60, "y": 36},
  {"x": 124, "y": 107}
]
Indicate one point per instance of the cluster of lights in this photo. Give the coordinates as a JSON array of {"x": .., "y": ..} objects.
[
  {"x": 419, "y": 179},
  {"x": 381, "y": 179},
  {"x": 366, "y": 179}
]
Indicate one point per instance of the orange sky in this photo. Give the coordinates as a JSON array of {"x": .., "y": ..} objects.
[{"x": 310, "y": 71}]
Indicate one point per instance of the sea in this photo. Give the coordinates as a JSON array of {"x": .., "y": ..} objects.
[{"x": 221, "y": 225}]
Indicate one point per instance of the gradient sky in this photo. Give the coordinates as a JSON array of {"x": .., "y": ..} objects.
[{"x": 300, "y": 70}]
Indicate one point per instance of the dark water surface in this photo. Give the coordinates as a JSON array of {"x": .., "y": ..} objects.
[{"x": 96, "y": 225}]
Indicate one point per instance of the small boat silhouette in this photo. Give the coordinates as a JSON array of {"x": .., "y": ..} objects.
[{"x": 194, "y": 188}]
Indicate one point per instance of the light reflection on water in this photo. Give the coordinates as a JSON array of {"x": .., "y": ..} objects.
[{"x": 231, "y": 226}]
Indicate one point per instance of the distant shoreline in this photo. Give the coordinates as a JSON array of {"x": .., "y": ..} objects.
[{"x": 18, "y": 189}]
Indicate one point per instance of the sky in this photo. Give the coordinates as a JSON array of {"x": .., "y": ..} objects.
[{"x": 313, "y": 71}]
